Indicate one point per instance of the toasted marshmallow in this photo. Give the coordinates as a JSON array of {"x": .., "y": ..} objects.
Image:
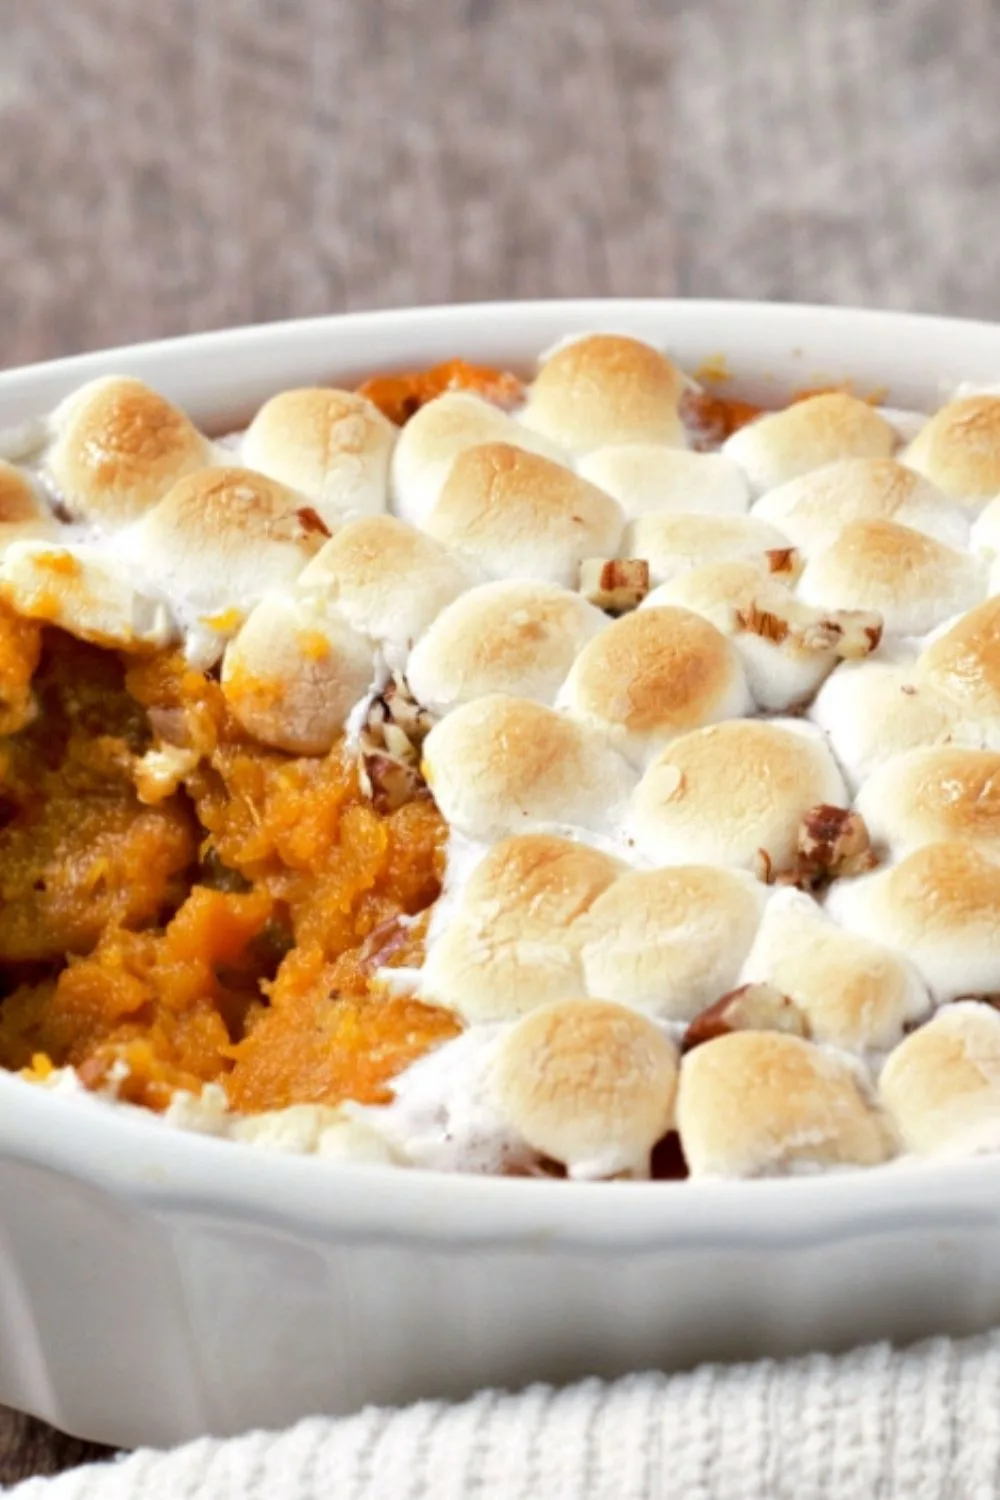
[
  {"x": 588, "y": 1084},
  {"x": 941, "y": 1086},
  {"x": 722, "y": 795},
  {"x": 871, "y": 711},
  {"x": 646, "y": 477},
  {"x": 764, "y": 1103},
  {"x": 673, "y": 544},
  {"x": 913, "y": 581},
  {"x": 606, "y": 388},
  {"x": 812, "y": 509},
  {"x": 516, "y": 638},
  {"x": 653, "y": 675},
  {"x": 295, "y": 671},
  {"x": 518, "y": 515},
  {"x": 808, "y": 435},
  {"x": 514, "y": 940},
  {"x": 86, "y": 592},
  {"x": 787, "y": 648},
  {"x": 958, "y": 449},
  {"x": 941, "y": 907},
  {"x": 984, "y": 537},
  {"x": 24, "y": 516},
  {"x": 333, "y": 446},
  {"x": 216, "y": 543},
  {"x": 388, "y": 580},
  {"x": 963, "y": 664},
  {"x": 924, "y": 796},
  {"x": 432, "y": 439},
  {"x": 503, "y": 765},
  {"x": 117, "y": 448},
  {"x": 853, "y": 993},
  {"x": 670, "y": 942}
]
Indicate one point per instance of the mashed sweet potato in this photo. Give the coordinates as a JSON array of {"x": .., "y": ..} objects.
[{"x": 181, "y": 905}]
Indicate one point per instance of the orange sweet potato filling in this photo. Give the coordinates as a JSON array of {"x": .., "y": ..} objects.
[
  {"x": 399, "y": 396},
  {"x": 218, "y": 925}
]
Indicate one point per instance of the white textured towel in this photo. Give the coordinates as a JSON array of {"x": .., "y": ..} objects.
[{"x": 872, "y": 1425}]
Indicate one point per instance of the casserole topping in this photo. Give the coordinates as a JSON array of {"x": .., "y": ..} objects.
[{"x": 562, "y": 776}]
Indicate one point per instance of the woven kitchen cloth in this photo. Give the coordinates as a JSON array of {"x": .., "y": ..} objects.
[{"x": 923, "y": 1424}]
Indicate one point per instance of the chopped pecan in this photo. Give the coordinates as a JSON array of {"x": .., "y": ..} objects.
[
  {"x": 848, "y": 633},
  {"x": 763, "y": 622},
  {"x": 311, "y": 520},
  {"x": 832, "y": 842},
  {"x": 752, "y": 1007},
  {"x": 389, "y": 782},
  {"x": 785, "y": 561},
  {"x": 615, "y": 584}
]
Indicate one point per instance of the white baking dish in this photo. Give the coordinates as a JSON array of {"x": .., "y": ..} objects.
[{"x": 155, "y": 1285}]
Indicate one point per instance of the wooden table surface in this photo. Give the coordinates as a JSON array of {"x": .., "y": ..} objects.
[{"x": 180, "y": 167}]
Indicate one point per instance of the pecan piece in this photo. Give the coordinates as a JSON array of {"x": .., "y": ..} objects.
[
  {"x": 752, "y": 1007},
  {"x": 615, "y": 584},
  {"x": 835, "y": 841},
  {"x": 786, "y": 562},
  {"x": 389, "y": 783},
  {"x": 763, "y": 622}
]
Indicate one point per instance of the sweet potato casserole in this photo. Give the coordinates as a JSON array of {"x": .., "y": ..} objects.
[{"x": 581, "y": 776}]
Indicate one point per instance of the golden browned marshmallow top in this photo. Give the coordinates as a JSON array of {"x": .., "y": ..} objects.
[
  {"x": 940, "y": 906},
  {"x": 388, "y": 580},
  {"x": 606, "y": 388},
  {"x": 588, "y": 1084},
  {"x": 332, "y": 446},
  {"x": 514, "y": 940},
  {"x": 938, "y": 793},
  {"x": 963, "y": 664},
  {"x": 807, "y": 435},
  {"x": 670, "y": 941},
  {"x": 958, "y": 449},
  {"x": 505, "y": 637},
  {"x": 812, "y": 509},
  {"x": 504, "y": 765},
  {"x": 941, "y": 1085},
  {"x": 760, "y": 1103},
  {"x": 519, "y": 515},
  {"x": 655, "y": 674},
  {"x": 734, "y": 794},
  {"x": 117, "y": 448},
  {"x": 912, "y": 580}
]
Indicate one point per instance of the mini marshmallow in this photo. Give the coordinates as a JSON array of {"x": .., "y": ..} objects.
[
  {"x": 671, "y": 941},
  {"x": 588, "y": 1084},
  {"x": 332, "y": 446},
  {"x": 673, "y": 544},
  {"x": 924, "y": 796},
  {"x": 606, "y": 389},
  {"x": 940, "y": 906},
  {"x": 515, "y": 638},
  {"x": 984, "y": 537},
  {"x": 765, "y": 1103},
  {"x": 23, "y": 514},
  {"x": 963, "y": 665},
  {"x": 216, "y": 543},
  {"x": 724, "y": 794},
  {"x": 808, "y": 435},
  {"x": 117, "y": 448},
  {"x": 84, "y": 591},
  {"x": 787, "y": 648},
  {"x": 502, "y": 765},
  {"x": 648, "y": 477},
  {"x": 853, "y": 993},
  {"x": 913, "y": 581},
  {"x": 653, "y": 675},
  {"x": 941, "y": 1086},
  {"x": 294, "y": 672},
  {"x": 518, "y": 515},
  {"x": 432, "y": 439},
  {"x": 388, "y": 580},
  {"x": 958, "y": 449},
  {"x": 514, "y": 940},
  {"x": 873, "y": 710},
  {"x": 812, "y": 509}
]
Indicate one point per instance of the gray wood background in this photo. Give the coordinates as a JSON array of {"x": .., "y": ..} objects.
[{"x": 173, "y": 167}]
